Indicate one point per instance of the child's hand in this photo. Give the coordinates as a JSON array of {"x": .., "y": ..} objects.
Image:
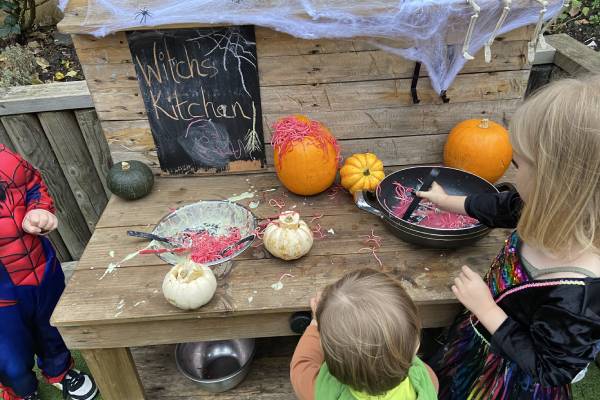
[
  {"x": 37, "y": 222},
  {"x": 437, "y": 195},
  {"x": 472, "y": 292}
]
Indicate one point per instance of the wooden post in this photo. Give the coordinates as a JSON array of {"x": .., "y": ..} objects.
[
  {"x": 96, "y": 143},
  {"x": 115, "y": 373},
  {"x": 72, "y": 154},
  {"x": 5, "y": 139}
]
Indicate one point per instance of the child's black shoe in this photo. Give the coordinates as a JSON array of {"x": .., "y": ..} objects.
[
  {"x": 77, "y": 385},
  {"x": 34, "y": 396}
]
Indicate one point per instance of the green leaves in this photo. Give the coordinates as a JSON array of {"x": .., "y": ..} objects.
[{"x": 11, "y": 25}]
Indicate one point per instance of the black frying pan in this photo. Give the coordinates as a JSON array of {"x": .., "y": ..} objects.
[{"x": 454, "y": 181}]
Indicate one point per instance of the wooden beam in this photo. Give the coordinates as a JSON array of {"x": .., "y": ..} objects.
[
  {"x": 45, "y": 97},
  {"x": 573, "y": 56},
  {"x": 72, "y": 154},
  {"x": 115, "y": 373},
  {"x": 30, "y": 141},
  {"x": 5, "y": 139},
  {"x": 62, "y": 252},
  {"x": 96, "y": 144}
]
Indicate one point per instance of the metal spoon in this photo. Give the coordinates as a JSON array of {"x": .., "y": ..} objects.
[
  {"x": 236, "y": 244},
  {"x": 151, "y": 236}
]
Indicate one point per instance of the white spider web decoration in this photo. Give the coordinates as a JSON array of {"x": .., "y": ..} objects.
[{"x": 436, "y": 33}]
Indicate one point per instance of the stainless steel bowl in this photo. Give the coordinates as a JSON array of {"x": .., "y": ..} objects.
[
  {"x": 216, "y": 366},
  {"x": 215, "y": 216}
]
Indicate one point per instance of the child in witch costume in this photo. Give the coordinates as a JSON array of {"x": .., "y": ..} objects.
[
  {"x": 532, "y": 325},
  {"x": 31, "y": 282}
]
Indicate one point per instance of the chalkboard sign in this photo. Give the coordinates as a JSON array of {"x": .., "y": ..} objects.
[{"x": 200, "y": 89}]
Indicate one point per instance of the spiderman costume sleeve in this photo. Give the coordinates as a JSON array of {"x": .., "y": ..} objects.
[
  {"x": 37, "y": 196},
  {"x": 22, "y": 190}
]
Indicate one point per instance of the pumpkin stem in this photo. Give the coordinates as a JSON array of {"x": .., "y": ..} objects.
[
  {"x": 125, "y": 166},
  {"x": 289, "y": 220},
  {"x": 485, "y": 123},
  {"x": 366, "y": 172}
]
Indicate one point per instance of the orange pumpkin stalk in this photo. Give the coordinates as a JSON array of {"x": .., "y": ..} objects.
[
  {"x": 306, "y": 155},
  {"x": 479, "y": 146}
]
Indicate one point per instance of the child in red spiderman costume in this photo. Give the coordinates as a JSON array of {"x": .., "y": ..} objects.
[{"x": 31, "y": 282}]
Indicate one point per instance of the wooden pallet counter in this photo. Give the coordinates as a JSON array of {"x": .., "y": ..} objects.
[{"x": 362, "y": 94}]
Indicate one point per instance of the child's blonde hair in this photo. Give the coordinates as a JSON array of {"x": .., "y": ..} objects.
[
  {"x": 369, "y": 331},
  {"x": 557, "y": 131}
]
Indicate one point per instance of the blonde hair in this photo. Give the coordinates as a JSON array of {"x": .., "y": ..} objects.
[
  {"x": 557, "y": 131},
  {"x": 369, "y": 331}
]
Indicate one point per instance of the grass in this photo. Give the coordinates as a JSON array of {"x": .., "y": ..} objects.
[
  {"x": 49, "y": 392},
  {"x": 587, "y": 389}
]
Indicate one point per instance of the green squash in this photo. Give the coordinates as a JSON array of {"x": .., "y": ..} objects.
[{"x": 130, "y": 180}]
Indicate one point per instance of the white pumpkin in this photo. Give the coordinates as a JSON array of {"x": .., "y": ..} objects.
[
  {"x": 288, "y": 237},
  {"x": 189, "y": 286}
]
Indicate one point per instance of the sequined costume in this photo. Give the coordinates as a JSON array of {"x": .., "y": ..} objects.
[{"x": 548, "y": 339}]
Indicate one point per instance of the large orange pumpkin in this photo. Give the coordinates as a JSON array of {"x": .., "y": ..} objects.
[
  {"x": 306, "y": 155},
  {"x": 479, "y": 146}
]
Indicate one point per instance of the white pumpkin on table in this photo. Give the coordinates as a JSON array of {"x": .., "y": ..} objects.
[
  {"x": 189, "y": 286},
  {"x": 288, "y": 237}
]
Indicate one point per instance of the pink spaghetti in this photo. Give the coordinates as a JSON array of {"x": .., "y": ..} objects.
[
  {"x": 427, "y": 214},
  {"x": 290, "y": 130}
]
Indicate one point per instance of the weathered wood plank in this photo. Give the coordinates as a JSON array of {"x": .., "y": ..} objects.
[
  {"x": 267, "y": 324},
  {"x": 30, "y": 140},
  {"x": 133, "y": 139},
  {"x": 71, "y": 151},
  {"x": 62, "y": 252},
  {"x": 125, "y": 103},
  {"x": 5, "y": 139},
  {"x": 115, "y": 373},
  {"x": 68, "y": 269},
  {"x": 573, "y": 56},
  {"x": 96, "y": 144},
  {"x": 347, "y": 227},
  {"x": 133, "y": 295},
  {"x": 330, "y": 68},
  {"x": 268, "y": 379},
  {"x": 45, "y": 97},
  {"x": 175, "y": 192},
  {"x": 113, "y": 49}
]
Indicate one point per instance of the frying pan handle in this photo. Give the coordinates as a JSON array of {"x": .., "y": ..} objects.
[
  {"x": 363, "y": 204},
  {"x": 505, "y": 187}
]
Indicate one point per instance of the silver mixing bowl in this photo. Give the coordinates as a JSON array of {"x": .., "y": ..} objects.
[
  {"x": 215, "y": 216},
  {"x": 216, "y": 366}
]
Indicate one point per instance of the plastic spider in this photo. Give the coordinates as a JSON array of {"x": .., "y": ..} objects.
[{"x": 143, "y": 14}]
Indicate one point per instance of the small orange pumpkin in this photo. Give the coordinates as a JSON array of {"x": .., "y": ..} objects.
[
  {"x": 306, "y": 155},
  {"x": 362, "y": 171},
  {"x": 479, "y": 146}
]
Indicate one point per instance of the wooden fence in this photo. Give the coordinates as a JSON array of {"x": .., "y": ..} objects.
[{"x": 54, "y": 127}]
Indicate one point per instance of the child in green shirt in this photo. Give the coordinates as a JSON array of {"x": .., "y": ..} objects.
[{"x": 362, "y": 344}]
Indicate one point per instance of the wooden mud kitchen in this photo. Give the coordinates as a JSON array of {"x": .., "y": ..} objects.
[{"x": 197, "y": 100}]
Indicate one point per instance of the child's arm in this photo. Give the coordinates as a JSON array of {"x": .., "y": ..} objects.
[
  {"x": 553, "y": 348},
  {"x": 434, "y": 378},
  {"x": 496, "y": 210},
  {"x": 306, "y": 363},
  {"x": 40, "y": 216},
  {"x": 37, "y": 192}
]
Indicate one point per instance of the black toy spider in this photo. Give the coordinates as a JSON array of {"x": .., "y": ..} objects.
[{"x": 143, "y": 14}]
